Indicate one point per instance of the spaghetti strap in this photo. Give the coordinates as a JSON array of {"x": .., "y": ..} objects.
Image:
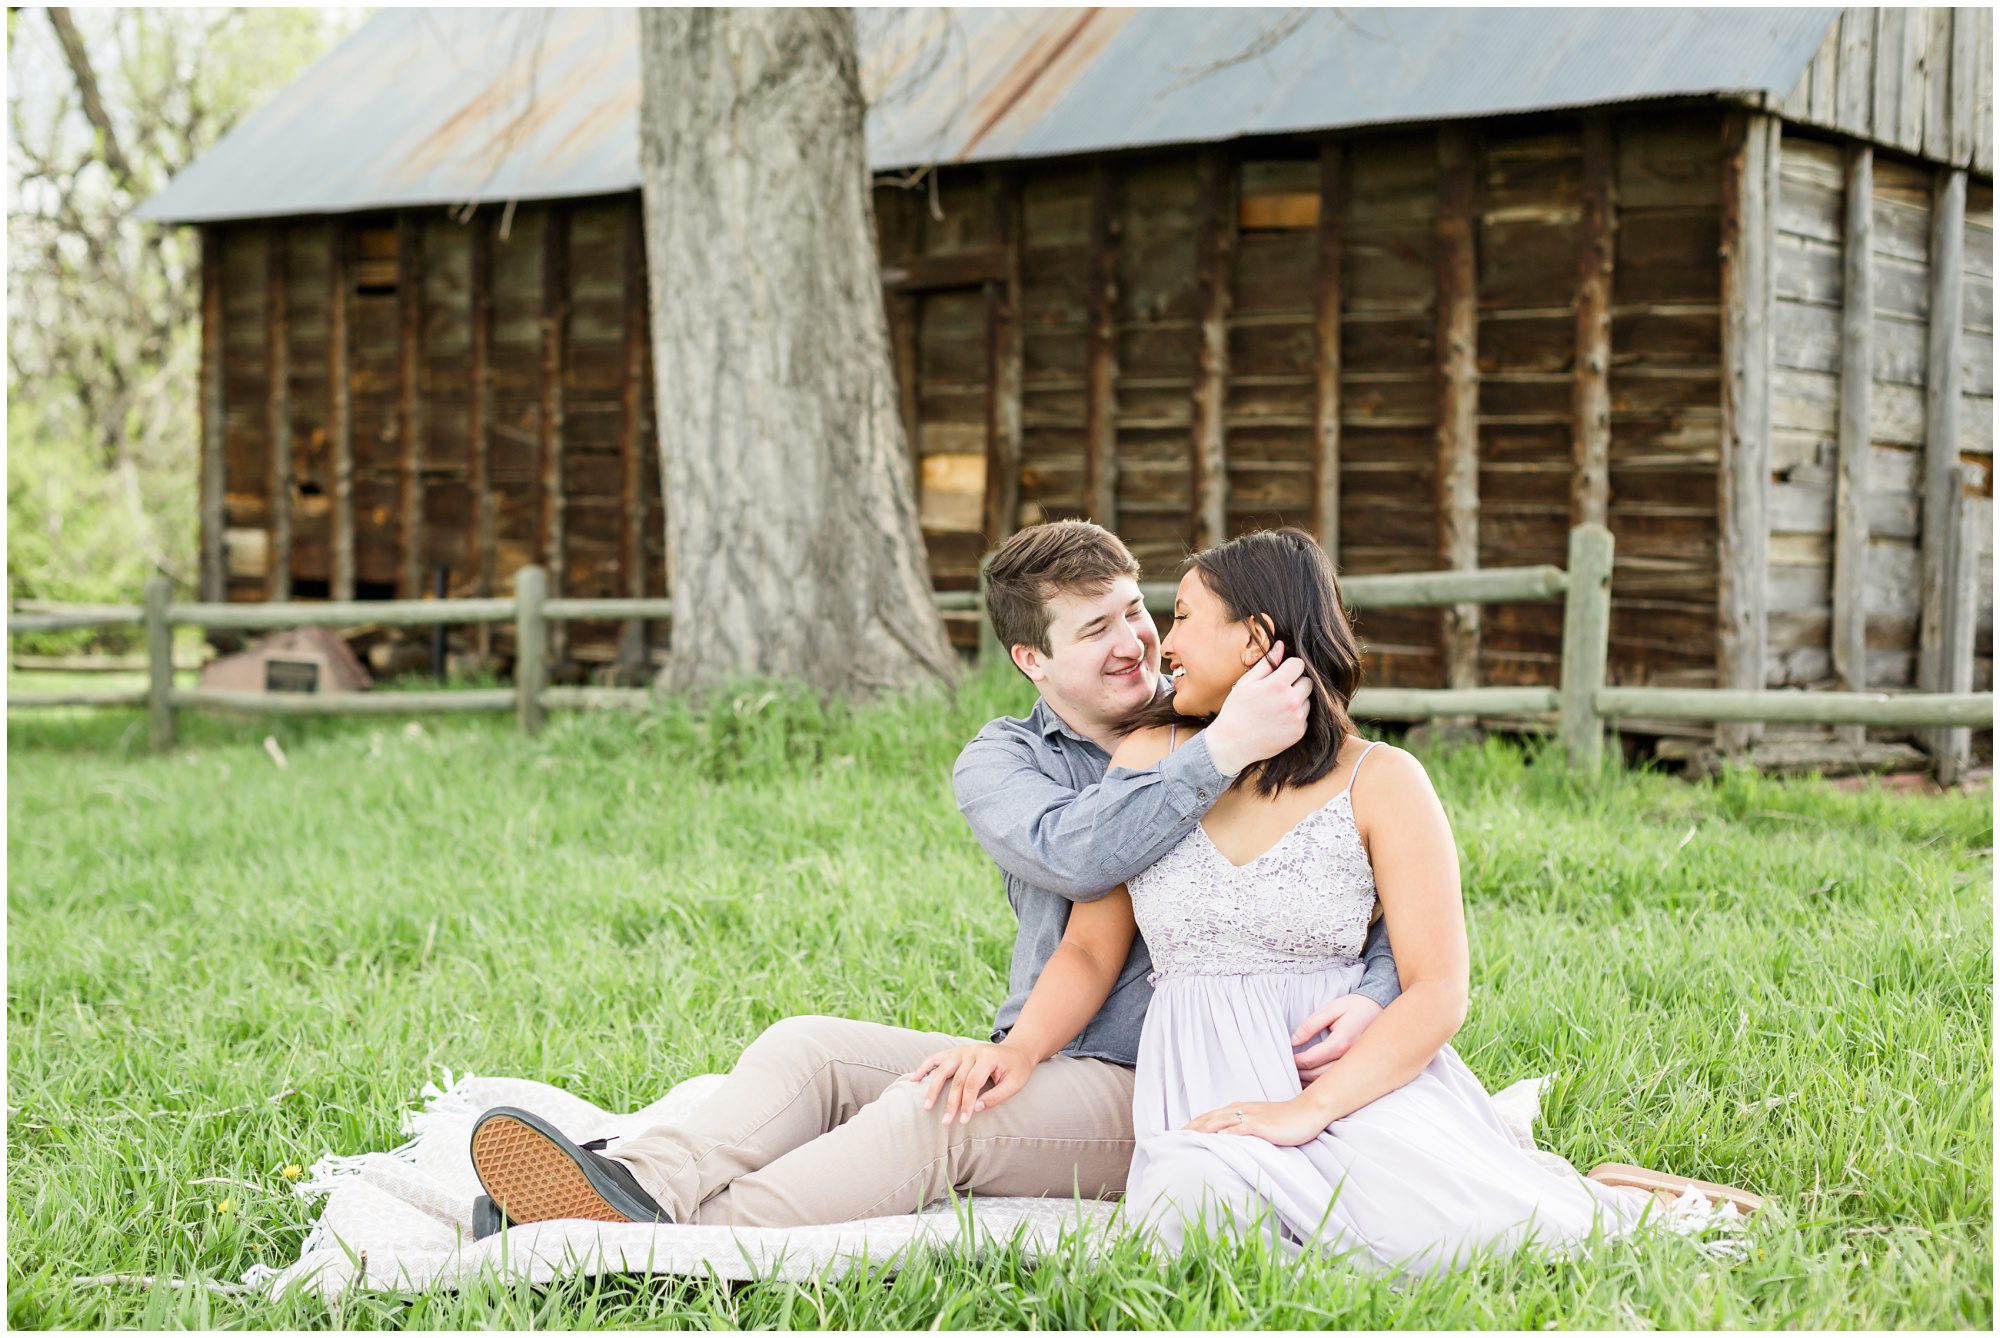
[
  {"x": 1173, "y": 733},
  {"x": 1357, "y": 765}
]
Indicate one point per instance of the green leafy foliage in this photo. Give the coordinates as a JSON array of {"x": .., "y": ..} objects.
[{"x": 103, "y": 340}]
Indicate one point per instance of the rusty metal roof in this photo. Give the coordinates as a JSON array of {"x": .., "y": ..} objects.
[{"x": 451, "y": 106}]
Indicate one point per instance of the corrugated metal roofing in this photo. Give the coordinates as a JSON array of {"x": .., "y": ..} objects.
[{"x": 450, "y": 106}]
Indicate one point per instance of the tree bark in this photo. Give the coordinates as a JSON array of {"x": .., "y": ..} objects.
[{"x": 791, "y": 514}]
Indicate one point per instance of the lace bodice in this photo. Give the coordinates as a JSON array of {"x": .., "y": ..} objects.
[{"x": 1301, "y": 905}]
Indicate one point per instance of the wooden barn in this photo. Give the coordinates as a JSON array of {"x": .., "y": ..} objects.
[{"x": 1435, "y": 284}]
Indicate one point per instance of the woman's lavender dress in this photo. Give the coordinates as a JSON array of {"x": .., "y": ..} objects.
[{"x": 1243, "y": 954}]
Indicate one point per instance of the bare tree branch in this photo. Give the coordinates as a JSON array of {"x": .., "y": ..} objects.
[
  {"x": 1265, "y": 41},
  {"x": 93, "y": 102}
]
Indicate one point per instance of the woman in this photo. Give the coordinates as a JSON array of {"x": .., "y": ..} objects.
[{"x": 1395, "y": 1154}]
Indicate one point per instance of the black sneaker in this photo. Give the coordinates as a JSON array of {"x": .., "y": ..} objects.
[
  {"x": 487, "y": 1219},
  {"x": 534, "y": 1174}
]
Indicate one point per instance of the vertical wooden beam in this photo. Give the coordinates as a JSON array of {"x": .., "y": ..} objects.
[
  {"x": 483, "y": 505},
  {"x": 1937, "y": 85},
  {"x": 631, "y": 446},
  {"x": 1857, "y": 379},
  {"x": 159, "y": 663},
  {"x": 278, "y": 415},
  {"x": 1982, "y": 89},
  {"x": 212, "y": 459},
  {"x": 1820, "y": 108},
  {"x": 1849, "y": 642},
  {"x": 1954, "y": 753},
  {"x": 1749, "y": 184},
  {"x": 1941, "y": 410},
  {"x": 1328, "y": 240},
  {"x": 1215, "y": 202},
  {"x": 1590, "y": 400},
  {"x": 1586, "y": 644},
  {"x": 1913, "y": 90},
  {"x": 1100, "y": 408},
  {"x": 410, "y": 404},
  {"x": 553, "y": 512},
  {"x": 1003, "y": 361},
  {"x": 1890, "y": 32},
  {"x": 1965, "y": 111},
  {"x": 1457, "y": 452},
  {"x": 339, "y": 416},
  {"x": 531, "y": 645},
  {"x": 1854, "y": 89}
]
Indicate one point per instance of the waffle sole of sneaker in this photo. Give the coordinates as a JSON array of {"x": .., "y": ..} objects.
[{"x": 534, "y": 1174}]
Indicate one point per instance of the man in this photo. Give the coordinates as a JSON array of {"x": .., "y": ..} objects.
[{"x": 816, "y": 1123}]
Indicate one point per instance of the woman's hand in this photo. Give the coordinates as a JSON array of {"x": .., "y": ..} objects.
[
  {"x": 969, "y": 1068},
  {"x": 1343, "y": 1021},
  {"x": 1287, "y": 1124}
]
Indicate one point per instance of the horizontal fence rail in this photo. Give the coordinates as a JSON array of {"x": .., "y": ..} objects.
[
  {"x": 1580, "y": 704},
  {"x": 1898, "y": 710}
]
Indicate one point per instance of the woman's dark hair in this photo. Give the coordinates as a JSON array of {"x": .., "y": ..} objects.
[{"x": 1282, "y": 581}]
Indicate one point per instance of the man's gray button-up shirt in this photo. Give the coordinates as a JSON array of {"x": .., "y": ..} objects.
[{"x": 1038, "y": 798}]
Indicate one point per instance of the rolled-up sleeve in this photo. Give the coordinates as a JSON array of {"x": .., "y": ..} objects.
[{"x": 1080, "y": 843}]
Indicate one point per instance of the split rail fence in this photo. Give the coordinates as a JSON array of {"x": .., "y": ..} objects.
[{"x": 1580, "y": 704}]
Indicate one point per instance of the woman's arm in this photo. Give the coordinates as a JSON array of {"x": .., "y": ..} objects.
[
  {"x": 1072, "y": 986},
  {"x": 1416, "y": 876},
  {"x": 1079, "y": 976}
]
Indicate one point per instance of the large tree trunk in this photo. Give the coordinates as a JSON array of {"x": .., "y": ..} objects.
[{"x": 793, "y": 544}]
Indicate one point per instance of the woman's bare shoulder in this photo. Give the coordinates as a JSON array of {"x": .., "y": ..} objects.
[
  {"x": 1144, "y": 747},
  {"x": 1389, "y": 781},
  {"x": 1391, "y": 769}
]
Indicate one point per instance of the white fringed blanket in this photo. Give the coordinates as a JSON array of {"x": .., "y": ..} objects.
[{"x": 402, "y": 1220}]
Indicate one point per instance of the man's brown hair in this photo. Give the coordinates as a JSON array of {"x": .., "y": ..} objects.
[{"x": 1042, "y": 562}]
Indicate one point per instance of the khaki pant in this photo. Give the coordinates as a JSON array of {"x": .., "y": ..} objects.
[{"x": 816, "y": 1125}]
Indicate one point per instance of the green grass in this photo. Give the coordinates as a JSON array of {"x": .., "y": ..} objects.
[{"x": 1766, "y": 982}]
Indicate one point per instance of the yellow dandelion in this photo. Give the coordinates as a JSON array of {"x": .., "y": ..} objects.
[
  {"x": 226, "y": 1206},
  {"x": 291, "y": 1172}
]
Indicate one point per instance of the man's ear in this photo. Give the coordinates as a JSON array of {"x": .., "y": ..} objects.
[{"x": 1029, "y": 661}]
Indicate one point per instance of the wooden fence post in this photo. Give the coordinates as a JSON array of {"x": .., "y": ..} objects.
[
  {"x": 159, "y": 662},
  {"x": 1953, "y": 747},
  {"x": 531, "y": 647},
  {"x": 990, "y": 650},
  {"x": 1586, "y": 644}
]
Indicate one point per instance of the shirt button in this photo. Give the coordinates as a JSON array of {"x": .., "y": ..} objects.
[{"x": 1201, "y": 794}]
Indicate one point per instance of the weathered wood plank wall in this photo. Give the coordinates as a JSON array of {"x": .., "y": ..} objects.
[
  {"x": 486, "y": 419},
  {"x": 1920, "y": 80},
  {"x": 1532, "y": 300},
  {"x": 1860, "y": 415},
  {"x": 308, "y": 320},
  {"x": 1388, "y": 391},
  {"x": 1666, "y": 446},
  {"x": 1340, "y": 249},
  {"x": 1749, "y": 193},
  {"x": 241, "y": 387},
  {"x": 1312, "y": 382},
  {"x": 1975, "y": 420}
]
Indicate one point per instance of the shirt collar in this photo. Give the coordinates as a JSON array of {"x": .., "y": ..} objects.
[{"x": 1047, "y": 722}]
